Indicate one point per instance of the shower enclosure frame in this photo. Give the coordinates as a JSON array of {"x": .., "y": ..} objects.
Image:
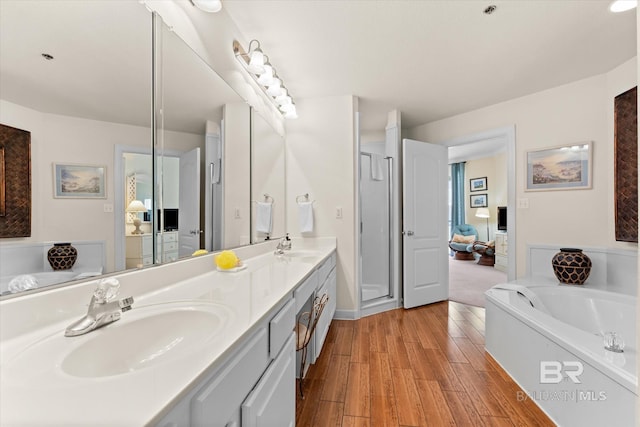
[{"x": 390, "y": 220}]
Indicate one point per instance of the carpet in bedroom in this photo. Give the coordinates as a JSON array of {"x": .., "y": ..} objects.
[{"x": 468, "y": 281}]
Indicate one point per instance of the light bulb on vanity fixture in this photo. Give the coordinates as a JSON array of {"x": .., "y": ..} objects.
[
  {"x": 257, "y": 65},
  {"x": 135, "y": 207},
  {"x": 623, "y": 5},
  {"x": 211, "y": 6}
]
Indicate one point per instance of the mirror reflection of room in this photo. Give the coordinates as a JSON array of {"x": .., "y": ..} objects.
[{"x": 200, "y": 112}]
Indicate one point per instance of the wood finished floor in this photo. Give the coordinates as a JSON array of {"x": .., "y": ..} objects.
[{"x": 420, "y": 367}]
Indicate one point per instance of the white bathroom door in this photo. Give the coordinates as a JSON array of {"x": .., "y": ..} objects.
[
  {"x": 424, "y": 218},
  {"x": 189, "y": 199}
]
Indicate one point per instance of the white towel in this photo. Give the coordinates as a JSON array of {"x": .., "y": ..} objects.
[
  {"x": 376, "y": 167},
  {"x": 305, "y": 215},
  {"x": 264, "y": 215}
]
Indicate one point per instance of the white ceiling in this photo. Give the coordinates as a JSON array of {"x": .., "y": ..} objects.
[
  {"x": 102, "y": 66},
  {"x": 433, "y": 59}
]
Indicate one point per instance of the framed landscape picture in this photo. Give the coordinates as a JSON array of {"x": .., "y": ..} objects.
[
  {"x": 479, "y": 201},
  {"x": 478, "y": 184},
  {"x": 566, "y": 167},
  {"x": 73, "y": 181}
]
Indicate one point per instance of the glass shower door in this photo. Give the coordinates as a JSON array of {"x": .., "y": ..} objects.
[{"x": 374, "y": 227}]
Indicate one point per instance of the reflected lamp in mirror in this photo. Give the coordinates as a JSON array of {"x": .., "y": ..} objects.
[
  {"x": 484, "y": 213},
  {"x": 135, "y": 207}
]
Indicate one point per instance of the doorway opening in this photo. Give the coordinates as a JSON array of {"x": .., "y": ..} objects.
[{"x": 482, "y": 204}]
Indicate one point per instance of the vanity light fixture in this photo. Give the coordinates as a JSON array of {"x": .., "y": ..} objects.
[
  {"x": 264, "y": 74},
  {"x": 211, "y": 6},
  {"x": 623, "y": 5}
]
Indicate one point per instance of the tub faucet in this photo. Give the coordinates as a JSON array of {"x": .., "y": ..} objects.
[
  {"x": 103, "y": 309},
  {"x": 283, "y": 245}
]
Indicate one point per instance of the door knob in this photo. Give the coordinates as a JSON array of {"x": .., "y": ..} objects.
[
  {"x": 194, "y": 232},
  {"x": 408, "y": 233}
]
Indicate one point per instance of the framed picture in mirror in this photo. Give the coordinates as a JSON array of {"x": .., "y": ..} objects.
[
  {"x": 478, "y": 184},
  {"x": 73, "y": 181},
  {"x": 479, "y": 201}
]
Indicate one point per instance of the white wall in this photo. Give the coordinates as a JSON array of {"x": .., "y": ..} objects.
[
  {"x": 579, "y": 111},
  {"x": 320, "y": 161}
]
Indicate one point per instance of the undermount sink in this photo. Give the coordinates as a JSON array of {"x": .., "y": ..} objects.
[
  {"x": 302, "y": 253},
  {"x": 145, "y": 337}
]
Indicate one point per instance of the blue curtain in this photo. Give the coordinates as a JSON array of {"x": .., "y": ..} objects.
[{"x": 457, "y": 194}]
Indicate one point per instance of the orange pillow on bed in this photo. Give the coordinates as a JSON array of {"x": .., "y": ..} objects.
[{"x": 458, "y": 238}]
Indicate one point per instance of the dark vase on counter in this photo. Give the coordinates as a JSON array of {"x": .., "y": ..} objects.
[
  {"x": 62, "y": 256},
  {"x": 571, "y": 266}
]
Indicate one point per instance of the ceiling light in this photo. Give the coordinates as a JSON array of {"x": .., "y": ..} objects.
[
  {"x": 211, "y": 6},
  {"x": 266, "y": 78},
  {"x": 623, "y": 5}
]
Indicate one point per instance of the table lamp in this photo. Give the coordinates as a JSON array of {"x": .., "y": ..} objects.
[{"x": 135, "y": 207}]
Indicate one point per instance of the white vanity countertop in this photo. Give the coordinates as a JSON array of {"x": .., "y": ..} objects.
[{"x": 35, "y": 390}]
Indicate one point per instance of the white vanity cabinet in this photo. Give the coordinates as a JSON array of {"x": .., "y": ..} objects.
[
  {"x": 253, "y": 386},
  {"x": 273, "y": 401},
  {"x": 326, "y": 285}
]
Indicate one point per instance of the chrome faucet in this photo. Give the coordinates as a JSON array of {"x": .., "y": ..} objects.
[
  {"x": 103, "y": 308},
  {"x": 283, "y": 245}
]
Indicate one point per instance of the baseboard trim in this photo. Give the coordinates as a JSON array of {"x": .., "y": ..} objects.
[{"x": 346, "y": 315}]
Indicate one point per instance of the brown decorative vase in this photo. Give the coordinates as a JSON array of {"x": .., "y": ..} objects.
[
  {"x": 62, "y": 256},
  {"x": 571, "y": 266}
]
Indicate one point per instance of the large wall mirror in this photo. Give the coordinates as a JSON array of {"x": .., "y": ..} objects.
[{"x": 91, "y": 106}]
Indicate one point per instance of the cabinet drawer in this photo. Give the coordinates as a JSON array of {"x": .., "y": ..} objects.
[
  {"x": 273, "y": 401},
  {"x": 280, "y": 328},
  {"x": 325, "y": 268},
  {"x": 168, "y": 246},
  {"x": 501, "y": 260},
  {"x": 304, "y": 291},
  {"x": 217, "y": 401},
  {"x": 170, "y": 237}
]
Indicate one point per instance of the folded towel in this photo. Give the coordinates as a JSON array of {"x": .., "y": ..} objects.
[
  {"x": 376, "y": 167},
  {"x": 264, "y": 215},
  {"x": 305, "y": 216},
  {"x": 23, "y": 282}
]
